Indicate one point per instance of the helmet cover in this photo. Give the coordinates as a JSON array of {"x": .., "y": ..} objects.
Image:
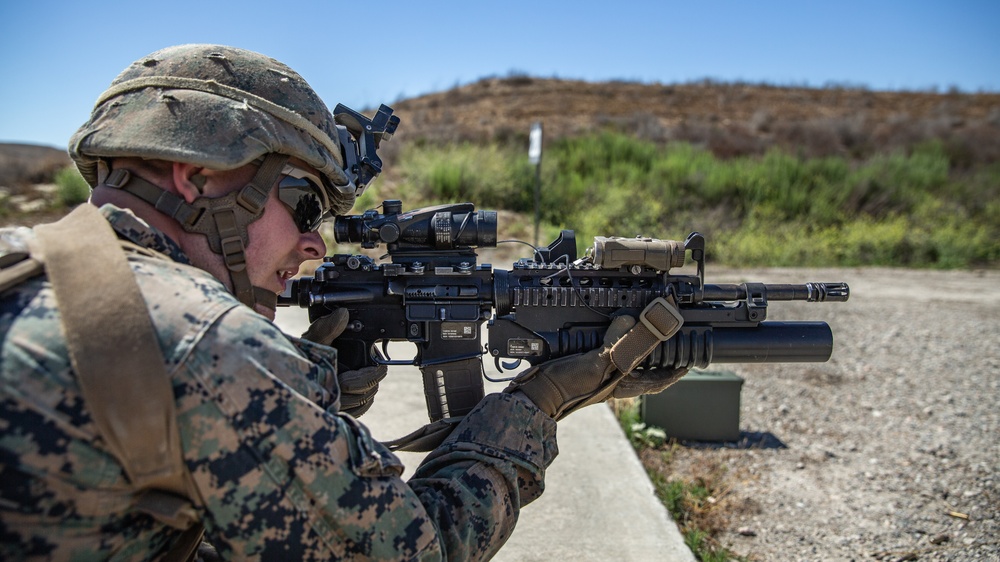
[{"x": 216, "y": 107}]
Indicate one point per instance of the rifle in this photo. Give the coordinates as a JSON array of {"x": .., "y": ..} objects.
[{"x": 434, "y": 294}]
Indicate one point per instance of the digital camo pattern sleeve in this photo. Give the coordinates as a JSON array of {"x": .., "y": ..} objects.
[
  {"x": 285, "y": 478},
  {"x": 496, "y": 458}
]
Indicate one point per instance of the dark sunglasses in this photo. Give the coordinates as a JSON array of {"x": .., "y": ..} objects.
[{"x": 303, "y": 194}]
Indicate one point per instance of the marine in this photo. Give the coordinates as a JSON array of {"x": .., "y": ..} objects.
[{"x": 149, "y": 407}]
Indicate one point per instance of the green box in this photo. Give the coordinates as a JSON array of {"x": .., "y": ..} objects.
[{"x": 701, "y": 406}]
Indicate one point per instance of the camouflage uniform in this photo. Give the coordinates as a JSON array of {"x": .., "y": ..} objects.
[{"x": 283, "y": 475}]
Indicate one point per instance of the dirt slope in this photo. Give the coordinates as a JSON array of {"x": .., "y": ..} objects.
[{"x": 730, "y": 119}]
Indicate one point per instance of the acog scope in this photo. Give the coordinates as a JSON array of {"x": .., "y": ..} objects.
[{"x": 442, "y": 227}]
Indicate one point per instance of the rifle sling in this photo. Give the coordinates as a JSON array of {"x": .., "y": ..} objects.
[
  {"x": 425, "y": 439},
  {"x": 127, "y": 390}
]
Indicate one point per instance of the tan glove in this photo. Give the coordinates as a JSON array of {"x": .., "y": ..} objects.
[
  {"x": 327, "y": 328},
  {"x": 647, "y": 381},
  {"x": 357, "y": 388},
  {"x": 564, "y": 385}
]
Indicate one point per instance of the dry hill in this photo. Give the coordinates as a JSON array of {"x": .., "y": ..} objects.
[
  {"x": 25, "y": 164},
  {"x": 730, "y": 119}
]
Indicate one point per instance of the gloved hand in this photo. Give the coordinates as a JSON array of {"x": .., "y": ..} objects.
[
  {"x": 357, "y": 388},
  {"x": 327, "y": 328},
  {"x": 564, "y": 385},
  {"x": 647, "y": 381}
]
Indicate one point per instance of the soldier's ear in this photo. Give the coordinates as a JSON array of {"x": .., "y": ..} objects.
[{"x": 189, "y": 181}]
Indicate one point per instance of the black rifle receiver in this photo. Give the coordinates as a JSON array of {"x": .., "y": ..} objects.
[{"x": 434, "y": 294}]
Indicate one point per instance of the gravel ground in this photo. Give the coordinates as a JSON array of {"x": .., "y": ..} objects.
[{"x": 893, "y": 446}]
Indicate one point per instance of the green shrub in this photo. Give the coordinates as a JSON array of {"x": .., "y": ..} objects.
[
  {"x": 897, "y": 209},
  {"x": 72, "y": 188},
  {"x": 490, "y": 176}
]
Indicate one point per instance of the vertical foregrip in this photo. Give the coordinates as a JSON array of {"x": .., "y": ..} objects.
[{"x": 452, "y": 389}]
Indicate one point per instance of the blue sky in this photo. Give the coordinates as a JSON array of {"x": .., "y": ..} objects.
[{"x": 57, "y": 57}]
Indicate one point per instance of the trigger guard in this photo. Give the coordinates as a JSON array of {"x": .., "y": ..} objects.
[
  {"x": 382, "y": 358},
  {"x": 508, "y": 366}
]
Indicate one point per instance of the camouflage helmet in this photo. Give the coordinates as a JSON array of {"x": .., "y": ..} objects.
[{"x": 216, "y": 107}]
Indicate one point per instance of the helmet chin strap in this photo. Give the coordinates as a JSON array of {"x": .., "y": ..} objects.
[{"x": 222, "y": 220}]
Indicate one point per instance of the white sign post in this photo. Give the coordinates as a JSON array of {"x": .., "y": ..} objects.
[
  {"x": 535, "y": 143},
  {"x": 535, "y": 157}
]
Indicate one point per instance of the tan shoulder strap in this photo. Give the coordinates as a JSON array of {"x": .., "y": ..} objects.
[{"x": 115, "y": 352}]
